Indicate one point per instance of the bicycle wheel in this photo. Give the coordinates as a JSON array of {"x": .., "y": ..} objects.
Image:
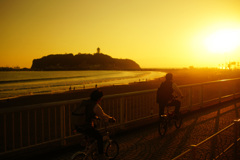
[
  {"x": 178, "y": 121},
  {"x": 112, "y": 149},
  {"x": 162, "y": 127},
  {"x": 80, "y": 156}
]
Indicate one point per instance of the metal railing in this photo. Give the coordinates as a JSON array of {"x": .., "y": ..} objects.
[
  {"x": 221, "y": 145},
  {"x": 49, "y": 124}
]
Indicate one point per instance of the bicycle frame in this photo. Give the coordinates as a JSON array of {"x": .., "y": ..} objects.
[
  {"x": 165, "y": 120},
  {"x": 170, "y": 114},
  {"x": 91, "y": 149}
]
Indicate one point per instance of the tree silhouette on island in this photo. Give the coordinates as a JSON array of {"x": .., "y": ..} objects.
[{"x": 96, "y": 61}]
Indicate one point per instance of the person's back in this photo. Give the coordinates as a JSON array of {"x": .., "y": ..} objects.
[
  {"x": 165, "y": 94},
  {"x": 90, "y": 115},
  {"x": 83, "y": 115}
]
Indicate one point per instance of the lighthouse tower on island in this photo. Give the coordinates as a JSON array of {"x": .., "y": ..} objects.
[{"x": 98, "y": 50}]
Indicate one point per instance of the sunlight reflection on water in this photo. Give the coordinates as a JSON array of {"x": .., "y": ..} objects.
[{"x": 20, "y": 83}]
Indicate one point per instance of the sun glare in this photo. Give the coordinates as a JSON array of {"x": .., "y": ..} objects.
[{"x": 223, "y": 41}]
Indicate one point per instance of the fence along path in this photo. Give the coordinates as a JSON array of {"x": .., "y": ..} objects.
[
  {"x": 145, "y": 143},
  {"x": 28, "y": 127}
]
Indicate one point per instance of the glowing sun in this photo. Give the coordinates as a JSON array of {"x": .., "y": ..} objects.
[{"x": 223, "y": 41}]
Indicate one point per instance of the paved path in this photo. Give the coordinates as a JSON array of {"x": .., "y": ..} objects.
[{"x": 146, "y": 144}]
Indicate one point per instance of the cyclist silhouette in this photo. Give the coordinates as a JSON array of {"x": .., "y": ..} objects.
[
  {"x": 165, "y": 94},
  {"x": 93, "y": 111}
]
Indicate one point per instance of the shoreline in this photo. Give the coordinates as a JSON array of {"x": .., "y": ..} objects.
[
  {"x": 77, "y": 94},
  {"x": 17, "y": 85},
  {"x": 180, "y": 77}
]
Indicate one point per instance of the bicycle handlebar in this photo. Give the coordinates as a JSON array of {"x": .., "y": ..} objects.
[{"x": 110, "y": 120}]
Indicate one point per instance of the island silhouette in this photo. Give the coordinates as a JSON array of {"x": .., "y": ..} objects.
[{"x": 96, "y": 61}]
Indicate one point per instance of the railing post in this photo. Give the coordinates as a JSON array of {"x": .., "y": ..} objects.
[
  {"x": 236, "y": 127},
  {"x": 219, "y": 92},
  {"x": 122, "y": 113},
  {"x": 62, "y": 124},
  {"x": 193, "y": 153},
  {"x": 190, "y": 98},
  {"x": 5, "y": 131},
  {"x": 201, "y": 94},
  {"x": 234, "y": 89}
]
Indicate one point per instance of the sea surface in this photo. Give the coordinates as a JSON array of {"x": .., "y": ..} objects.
[{"x": 20, "y": 83}]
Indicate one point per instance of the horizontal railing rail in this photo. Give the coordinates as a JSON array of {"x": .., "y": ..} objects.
[
  {"x": 30, "y": 126},
  {"x": 216, "y": 146}
]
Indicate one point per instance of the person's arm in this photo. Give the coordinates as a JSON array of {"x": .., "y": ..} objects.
[
  {"x": 177, "y": 90},
  {"x": 100, "y": 113}
]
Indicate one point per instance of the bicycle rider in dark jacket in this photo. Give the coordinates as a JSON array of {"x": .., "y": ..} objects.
[{"x": 166, "y": 97}]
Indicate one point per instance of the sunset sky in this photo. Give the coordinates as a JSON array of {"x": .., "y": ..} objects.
[{"x": 153, "y": 33}]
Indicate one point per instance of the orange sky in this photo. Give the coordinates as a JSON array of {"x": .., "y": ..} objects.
[{"x": 154, "y": 33}]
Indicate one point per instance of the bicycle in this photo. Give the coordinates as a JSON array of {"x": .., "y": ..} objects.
[
  {"x": 166, "y": 119},
  {"x": 111, "y": 149}
]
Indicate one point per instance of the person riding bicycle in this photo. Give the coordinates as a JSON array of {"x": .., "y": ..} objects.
[
  {"x": 93, "y": 110},
  {"x": 165, "y": 95}
]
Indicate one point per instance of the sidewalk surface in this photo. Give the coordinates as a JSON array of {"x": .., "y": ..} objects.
[{"x": 146, "y": 144}]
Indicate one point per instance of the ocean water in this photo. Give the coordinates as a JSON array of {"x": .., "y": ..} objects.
[{"x": 20, "y": 83}]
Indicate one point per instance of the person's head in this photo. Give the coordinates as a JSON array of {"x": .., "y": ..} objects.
[
  {"x": 169, "y": 76},
  {"x": 96, "y": 95}
]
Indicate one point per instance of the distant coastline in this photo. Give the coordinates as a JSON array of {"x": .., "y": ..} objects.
[{"x": 14, "y": 69}]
